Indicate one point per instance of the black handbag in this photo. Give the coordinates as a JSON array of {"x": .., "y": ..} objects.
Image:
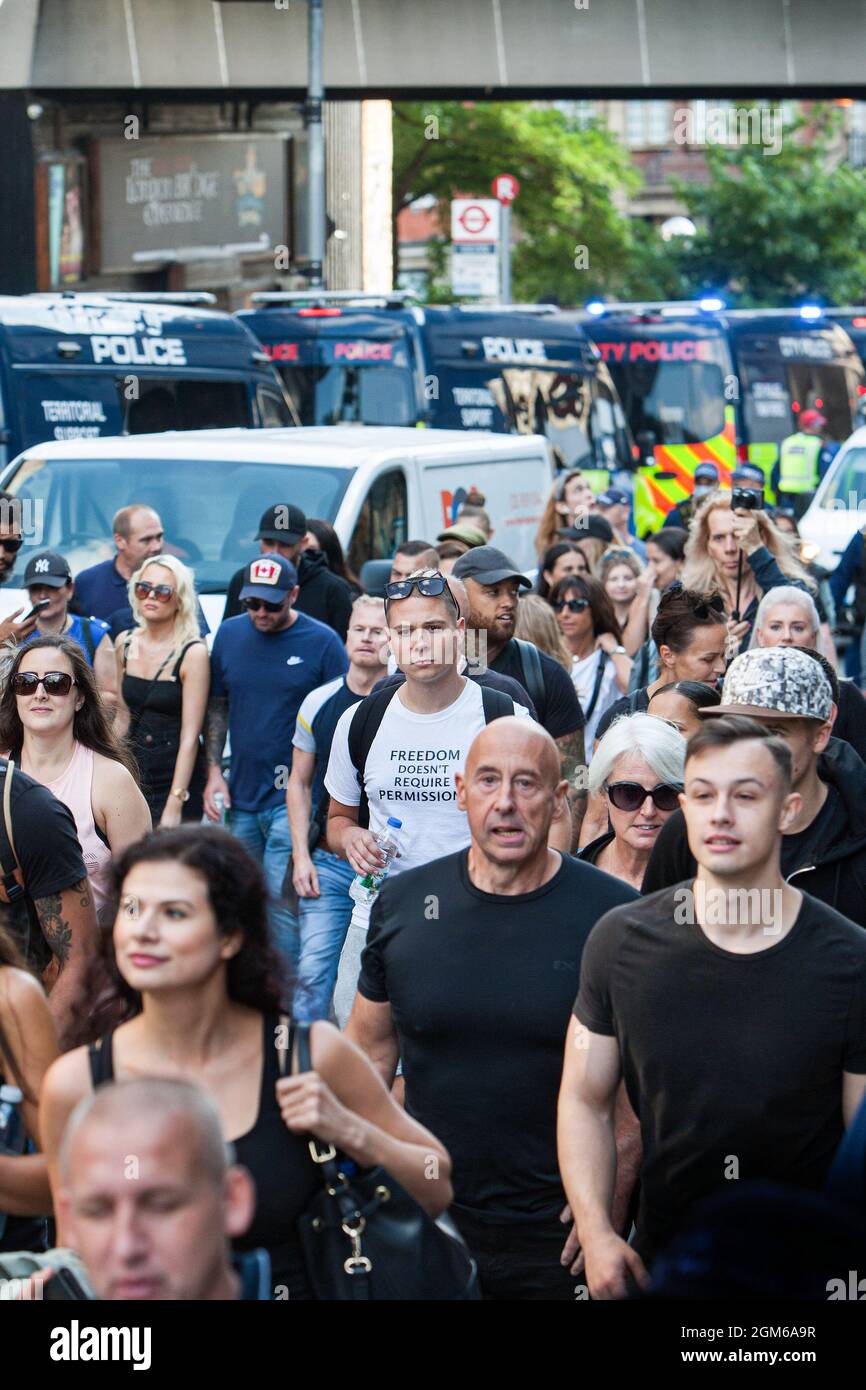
[{"x": 365, "y": 1237}]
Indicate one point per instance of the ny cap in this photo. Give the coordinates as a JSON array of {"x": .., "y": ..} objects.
[
  {"x": 47, "y": 568},
  {"x": 778, "y": 681}
]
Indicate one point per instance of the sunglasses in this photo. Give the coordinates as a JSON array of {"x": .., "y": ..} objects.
[
  {"x": 630, "y": 796},
  {"x": 574, "y": 605},
  {"x": 53, "y": 682},
  {"x": 258, "y": 605},
  {"x": 161, "y": 592},
  {"x": 716, "y": 604},
  {"x": 429, "y": 585},
  {"x": 13, "y": 543}
]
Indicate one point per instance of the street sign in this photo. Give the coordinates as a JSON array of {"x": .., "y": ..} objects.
[
  {"x": 474, "y": 221},
  {"x": 505, "y": 188},
  {"x": 475, "y": 270}
]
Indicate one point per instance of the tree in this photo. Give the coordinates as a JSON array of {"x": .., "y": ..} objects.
[
  {"x": 572, "y": 241},
  {"x": 774, "y": 229}
]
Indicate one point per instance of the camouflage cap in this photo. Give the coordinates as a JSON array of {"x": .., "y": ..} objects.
[{"x": 780, "y": 681}]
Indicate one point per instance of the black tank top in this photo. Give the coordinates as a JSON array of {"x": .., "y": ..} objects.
[
  {"x": 285, "y": 1176},
  {"x": 147, "y": 698}
]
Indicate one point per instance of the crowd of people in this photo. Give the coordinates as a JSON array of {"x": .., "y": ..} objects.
[{"x": 507, "y": 886}]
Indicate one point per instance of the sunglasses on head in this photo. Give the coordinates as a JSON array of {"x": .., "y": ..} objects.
[
  {"x": 257, "y": 605},
  {"x": 574, "y": 605},
  {"x": 13, "y": 543},
  {"x": 716, "y": 604},
  {"x": 432, "y": 585},
  {"x": 161, "y": 592},
  {"x": 630, "y": 796},
  {"x": 53, "y": 682}
]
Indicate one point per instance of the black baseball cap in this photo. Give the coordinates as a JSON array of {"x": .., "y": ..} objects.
[
  {"x": 488, "y": 565},
  {"x": 269, "y": 578},
  {"x": 47, "y": 568},
  {"x": 283, "y": 523}
]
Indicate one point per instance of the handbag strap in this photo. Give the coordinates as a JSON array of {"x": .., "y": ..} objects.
[
  {"x": 12, "y": 876},
  {"x": 599, "y": 673}
]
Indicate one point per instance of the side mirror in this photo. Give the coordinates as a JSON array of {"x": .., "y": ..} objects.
[{"x": 374, "y": 577}]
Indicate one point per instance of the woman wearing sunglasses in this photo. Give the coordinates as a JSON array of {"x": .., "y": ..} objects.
[
  {"x": 53, "y": 723},
  {"x": 163, "y": 680},
  {"x": 600, "y": 664},
  {"x": 637, "y": 771}
]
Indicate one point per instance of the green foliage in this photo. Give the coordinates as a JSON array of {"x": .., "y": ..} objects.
[
  {"x": 570, "y": 182},
  {"x": 775, "y": 229}
]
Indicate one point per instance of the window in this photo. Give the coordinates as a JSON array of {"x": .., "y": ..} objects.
[
  {"x": 273, "y": 411},
  {"x": 851, "y": 477},
  {"x": 381, "y": 524},
  {"x": 647, "y": 123},
  {"x": 163, "y": 404},
  {"x": 679, "y": 402}
]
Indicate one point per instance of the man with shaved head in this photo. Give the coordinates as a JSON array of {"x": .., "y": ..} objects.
[
  {"x": 149, "y": 1197},
  {"x": 468, "y": 976}
]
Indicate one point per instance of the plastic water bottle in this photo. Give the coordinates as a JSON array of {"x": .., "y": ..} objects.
[
  {"x": 220, "y": 803},
  {"x": 365, "y": 887}
]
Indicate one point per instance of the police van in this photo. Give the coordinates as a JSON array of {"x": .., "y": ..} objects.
[
  {"x": 78, "y": 366},
  {"x": 702, "y": 383},
  {"x": 347, "y": 357},
  {"x": 377, "y": 486}
]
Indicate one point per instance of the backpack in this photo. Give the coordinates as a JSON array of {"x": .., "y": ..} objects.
[
  {"x": 368, "y": 717},
  {"x": 530, "y": 669}
]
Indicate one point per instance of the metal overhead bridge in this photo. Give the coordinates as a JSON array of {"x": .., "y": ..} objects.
[{"x": 414, "y": 48}]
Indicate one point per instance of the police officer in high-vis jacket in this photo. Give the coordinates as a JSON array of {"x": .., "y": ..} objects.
[{"x": 804, "y": 458}]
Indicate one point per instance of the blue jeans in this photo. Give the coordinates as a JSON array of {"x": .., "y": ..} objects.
[
  {"x": 266, "y": 835},
  {"x": 324, "y": 922}
]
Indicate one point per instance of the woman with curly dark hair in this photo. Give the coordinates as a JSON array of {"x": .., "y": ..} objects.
[
  {"x": 600, "y": 664},
  {"x": 53, "y": 723},
  {"x": 193, "y": 987}
]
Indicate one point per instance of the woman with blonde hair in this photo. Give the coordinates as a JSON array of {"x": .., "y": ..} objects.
[
  {"x": 536, "y": 623},
  {"x": 570, "y": 497},
  {"x": 743, "y": 555},
  {"x": 163, "y": 681}
]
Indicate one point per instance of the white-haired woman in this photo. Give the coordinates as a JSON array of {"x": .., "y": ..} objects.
[
  {"x": 638, "y": 770},
  {"x": 788, "y": 617},
  {"x": 163, "y": 681}
]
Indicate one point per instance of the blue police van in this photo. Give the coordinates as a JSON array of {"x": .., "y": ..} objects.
[
  {"x": 347, "y": 357},
  {"x": 81, "y": 365}
]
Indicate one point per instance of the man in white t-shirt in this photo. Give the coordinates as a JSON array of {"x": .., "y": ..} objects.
[{"x": 425, "y": 734}]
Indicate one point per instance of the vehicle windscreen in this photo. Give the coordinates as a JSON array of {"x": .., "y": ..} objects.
[
  {"x": 781, "y": 376},
  {"x": 849, "y": 479},
  {"x": 668, "y": 387},
  {"x": 360, "y": 393},
  {"x": 210, "y": 508}
]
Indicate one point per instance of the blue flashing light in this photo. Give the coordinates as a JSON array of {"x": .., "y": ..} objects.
[
  {"x": 810, "y": 311},
  {"x": 711, "y": 304},
  {"x": 596, "y": 307}
]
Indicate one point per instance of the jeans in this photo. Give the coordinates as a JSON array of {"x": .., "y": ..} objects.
[
  {"x": 519, "y": 1259},
  {"x": 324, "y": 922},
  {"x": 266, "y": 835}
]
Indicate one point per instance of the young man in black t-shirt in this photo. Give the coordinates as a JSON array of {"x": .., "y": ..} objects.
[
  {"x": 824, "y": 850},
  {"x": 468, "y": 976},
  {"x": 734, "y": 1006}
]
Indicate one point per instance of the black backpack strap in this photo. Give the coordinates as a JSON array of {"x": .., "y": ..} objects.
[
  {"x": 495, "y": 703},
  {"x": 590, "y": 709},
  {"x": 363, "y": 728},
  {"x": 87, "y": 634},
  {"x": 8, "y": 856},
  {"x": 530, "y": 666}
]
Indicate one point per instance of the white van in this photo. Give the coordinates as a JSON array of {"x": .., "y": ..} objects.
[
  {"x": 838, "y": 508},
  {"x": 377, "y": 486}
]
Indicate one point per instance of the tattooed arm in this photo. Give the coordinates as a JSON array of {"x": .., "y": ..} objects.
[
  {"x": 572, "y": 759},
  {"x": 215, "y": 729},
  {"x": 68, "y": 922}
]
